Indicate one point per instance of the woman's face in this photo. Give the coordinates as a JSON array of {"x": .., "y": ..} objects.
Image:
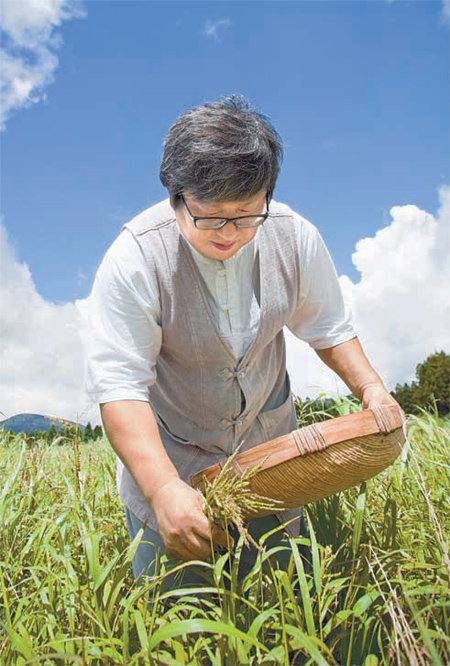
[{"x": 219, "y": 244}]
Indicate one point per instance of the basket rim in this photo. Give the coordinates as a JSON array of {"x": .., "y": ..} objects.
[{"x": 384, "y": 420}]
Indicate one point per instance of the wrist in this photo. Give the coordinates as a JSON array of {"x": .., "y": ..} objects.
[
  {"x": 153, "y": 493},
  {"x": 375, "y": 396},
  {"x": 372, "y": 386}
]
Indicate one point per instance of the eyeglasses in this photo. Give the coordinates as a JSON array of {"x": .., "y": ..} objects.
[{"x": 242, "y": 222}]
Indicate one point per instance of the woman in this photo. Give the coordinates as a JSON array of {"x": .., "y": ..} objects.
[{"x": 186, "y": 355}]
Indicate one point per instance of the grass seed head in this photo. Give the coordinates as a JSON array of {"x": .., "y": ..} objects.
[{"x": 229, "y": 499}]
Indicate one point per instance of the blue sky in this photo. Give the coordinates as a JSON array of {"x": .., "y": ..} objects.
[{"x": 358, "y": 90}]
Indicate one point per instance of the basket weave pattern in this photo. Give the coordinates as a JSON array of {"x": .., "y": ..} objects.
[{"x": 322, "y": 459}]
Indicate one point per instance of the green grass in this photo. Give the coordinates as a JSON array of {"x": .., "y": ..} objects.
[{"x": 378, "y": 592}]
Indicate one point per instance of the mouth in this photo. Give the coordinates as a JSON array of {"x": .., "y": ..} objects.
[{"x": 223, "y": 246}]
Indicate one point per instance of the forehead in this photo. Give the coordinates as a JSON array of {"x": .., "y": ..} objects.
[{"x": 222, "y": 207}]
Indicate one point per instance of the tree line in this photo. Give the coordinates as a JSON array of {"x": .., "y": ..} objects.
[
  {"x": 429, "y": 391},
  {"x": 86, "y": 434}
]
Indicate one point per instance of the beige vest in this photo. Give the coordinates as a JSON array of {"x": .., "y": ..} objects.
[{"x": 208, "y": 402}]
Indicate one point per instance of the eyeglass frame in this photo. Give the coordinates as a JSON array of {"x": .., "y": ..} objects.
[{"x": 225, "y": 220}]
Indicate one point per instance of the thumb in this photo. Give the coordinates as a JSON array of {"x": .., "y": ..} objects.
[{"x": 220, "y": 537}]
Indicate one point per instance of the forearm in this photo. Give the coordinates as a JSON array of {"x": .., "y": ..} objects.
[
  {"x": 133, "y": 433},
  {"x": 183, "y": 526},
  {"x": 350, "y": 363}
]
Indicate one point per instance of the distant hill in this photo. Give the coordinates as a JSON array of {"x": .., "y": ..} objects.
[{"x": 37, "y": 422}]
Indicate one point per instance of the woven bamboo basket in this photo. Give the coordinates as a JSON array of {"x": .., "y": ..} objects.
[{"x": 319, "y": 460}]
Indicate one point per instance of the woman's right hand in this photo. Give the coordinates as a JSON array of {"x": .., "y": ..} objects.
[{"x": 182, "y": 524}]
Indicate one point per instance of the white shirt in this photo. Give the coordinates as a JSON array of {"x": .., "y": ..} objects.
[{"x": 124, "y": 312}]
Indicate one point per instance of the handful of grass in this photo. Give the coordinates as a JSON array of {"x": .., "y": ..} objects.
[{"x": 229, "y": 499}]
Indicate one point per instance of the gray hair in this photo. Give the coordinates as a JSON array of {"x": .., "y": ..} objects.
[{"x": 222, "y": 151}]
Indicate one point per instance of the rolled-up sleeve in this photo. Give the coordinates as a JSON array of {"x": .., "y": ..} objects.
[
  {"x": 322, "y": 319},
  {"x": 123, "y": 326}
]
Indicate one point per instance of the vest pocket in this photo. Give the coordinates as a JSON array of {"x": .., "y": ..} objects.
[
  {"x": 164, "y": 426},
  {"x": 280, "y": 420}
]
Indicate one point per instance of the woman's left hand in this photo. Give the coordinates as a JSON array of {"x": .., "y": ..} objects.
[{"x": 375, "y": 395}]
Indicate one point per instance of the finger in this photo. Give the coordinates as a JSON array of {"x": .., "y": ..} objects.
[
  {"x": 220, "y": 537},
  {"x": 196, "y": 546},
  {"x": 183, "y": 552},
  {"x": 211, "y": 531},
  {"x": 200, "y": 546},
  {"x": 202, "y": 527}
]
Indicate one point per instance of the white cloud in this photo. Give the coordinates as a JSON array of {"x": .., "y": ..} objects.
[
  {"x": 400, "y": 305},
  {"x": 446, "y": 11},
  {"x": 41, "y": 359},
  {"x": 212, "y": 27},
  {"x": 28, "y": 54},
  {"x": 401, "y": 311}
]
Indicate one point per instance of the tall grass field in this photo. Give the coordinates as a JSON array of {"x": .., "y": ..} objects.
[{"x": 376, "y": 593}]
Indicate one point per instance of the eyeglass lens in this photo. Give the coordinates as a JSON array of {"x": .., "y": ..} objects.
[{"x": 216, "y": 222}]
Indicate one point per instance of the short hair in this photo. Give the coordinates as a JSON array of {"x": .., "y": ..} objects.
[{"x": 221, "y": 151}]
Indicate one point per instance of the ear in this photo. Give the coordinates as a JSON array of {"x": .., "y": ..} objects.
[{"x": 175, "y": 201}]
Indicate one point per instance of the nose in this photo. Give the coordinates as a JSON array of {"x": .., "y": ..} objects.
[{"x": 228, "y": 232}]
